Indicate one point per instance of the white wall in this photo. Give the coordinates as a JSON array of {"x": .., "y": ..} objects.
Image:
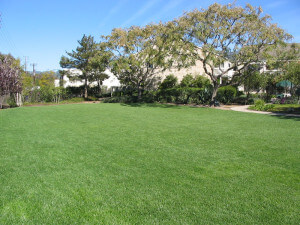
[{"x": 111, "y": 81}]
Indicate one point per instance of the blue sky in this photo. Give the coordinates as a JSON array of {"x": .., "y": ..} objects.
[{"x": 44, "y": 29}]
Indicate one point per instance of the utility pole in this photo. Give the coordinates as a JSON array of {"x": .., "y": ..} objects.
[
  {"x": 26, "y": 58},
  {"x": 33, "y": 71}
]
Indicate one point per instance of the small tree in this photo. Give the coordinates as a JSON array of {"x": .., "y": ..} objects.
[
  {"x": 80, "y": 59},
  {"x": 139, "y": 57},
  {"x": 99, "y": 63},
  {"x": 293, "y": 73},
  {"x": 252, "y": 79},
  {"x": 10, "y": 79}
]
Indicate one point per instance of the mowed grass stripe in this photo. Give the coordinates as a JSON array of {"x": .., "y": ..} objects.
[{"x": 146, "y": 164}]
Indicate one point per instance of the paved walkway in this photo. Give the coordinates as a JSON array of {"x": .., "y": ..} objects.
[{"x": 244, "y": 108}]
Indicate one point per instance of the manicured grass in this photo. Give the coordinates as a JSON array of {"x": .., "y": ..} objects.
[
  {"x": 280, "y": 108},
  {"x": 147, "y": 164},
  {"x": 286, "y": 108},
  {"x": 71, "y": 100}
]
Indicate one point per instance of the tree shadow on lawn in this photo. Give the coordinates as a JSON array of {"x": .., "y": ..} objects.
[{"x": 295, "y": 118}]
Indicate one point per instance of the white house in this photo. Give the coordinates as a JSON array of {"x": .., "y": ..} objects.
[{"x": 112, "y": 81}]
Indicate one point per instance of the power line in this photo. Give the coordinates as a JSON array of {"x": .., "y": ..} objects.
[
  {"x": 33, "y": 71},
  {"x": 26, "y": 58},
  {"x": 33, "y": 68}
]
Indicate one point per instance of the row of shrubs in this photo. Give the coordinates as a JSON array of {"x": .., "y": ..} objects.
[
  {"x": 191, "y": 90},
  {"x": 58, "y": 94}
]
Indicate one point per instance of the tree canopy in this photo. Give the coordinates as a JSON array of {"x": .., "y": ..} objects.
[
  {"x": 138, "y": 56},
  {"x": 80, "y": 58},
  {"x": 223, "y": 33},
  {"x": 10, "y": 77}
]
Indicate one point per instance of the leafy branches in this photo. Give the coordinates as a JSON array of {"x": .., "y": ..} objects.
[
  {"x": 225, "y": 33},
  {"x": 138, "y": 56},
  {"x": 10, "y": 77}
]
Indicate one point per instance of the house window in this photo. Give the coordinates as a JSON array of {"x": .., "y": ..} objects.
[{"x": 228, "y": 65}]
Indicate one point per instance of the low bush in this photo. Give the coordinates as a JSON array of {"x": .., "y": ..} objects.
[
  {"x": 105, "y": 95},
  {"x": 11, "y": 102},
  {"x": 75, "y": 99},
  {"x": 226, "y": 94},
  {"x": 243, "y": 100},
  {"x": 169, "y": 82},
  {"x": 75, "y": 91},
  {"x": 121, "y": 99},
  {"x": 190, "y": 90},
  {"x": 91, "y": 98},
  {"x": 185, "y": 95},
  {"x": 260, "y": 105}
]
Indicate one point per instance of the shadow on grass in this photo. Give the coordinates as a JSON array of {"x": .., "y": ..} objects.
[
  {"x": 152, "y": 105},
  {"x": 287, "y": 117}
]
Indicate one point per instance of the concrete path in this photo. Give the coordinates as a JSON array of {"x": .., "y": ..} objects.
[{"x": 244, "y": 108}]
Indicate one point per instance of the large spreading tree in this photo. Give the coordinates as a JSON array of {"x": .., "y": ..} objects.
[
  {"x": 139, "y": 58},
  {"x": 223, "y": 33}
]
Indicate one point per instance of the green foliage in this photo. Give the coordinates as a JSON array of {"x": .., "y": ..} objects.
[
  {"x": 91, "y": 98},
  {"x": 121, "y": 99},
  {"x": 251, "y": 79},
  {"x": 260, "y": 105},
  {"x": 243, "y": 100},
  {"x": 226, "y": 94},
  {"x": 190, "y": 90},
  {"x": 268, "y": 107},
  {"x": 81, "y": 58},
  {"x": 286, "y": 108},
  {"x": 187, "y": 81},
  {"x": 75, "y": 91},
  {"x": 169, "y": 82},
  {"x": 137, "y": 61},
  {"x": 11, "y": 102},
  {"x": 45, "y": 79},
  {"x": 201, "y": 82},
  {"x": 73, "y": 100},
  {"x": 168, "y": 95},
  {"x": 10, "y": 77},
  {"x": 195, "y": 81},
  {"x": 219, "y": 33},
  {"x": 46, "y": 94},
  {"x": 297, "y": 91}
]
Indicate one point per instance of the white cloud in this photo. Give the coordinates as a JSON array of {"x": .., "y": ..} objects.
[
  {"x": 275, "y": 4},
  {"x": 168, "y": 7},
  {"x": 113, "y": 11},
  {"x": 140, "y": 12}
]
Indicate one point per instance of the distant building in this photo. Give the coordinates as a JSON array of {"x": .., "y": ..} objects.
[{"x": 112, "y": 81}]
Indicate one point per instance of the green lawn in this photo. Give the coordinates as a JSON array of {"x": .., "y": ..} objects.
[
  {"x": 148, "y": 164},
  {"x": 286, "y": 108}
]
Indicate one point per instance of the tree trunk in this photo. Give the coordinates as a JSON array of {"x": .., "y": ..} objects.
[
  {"x": 18, "y": 99},
  {"x": 99, "y": 86},
  {"x": 1, "y": 100},
  {"x": 139, "y": 93},
  {"x": 61, "y": 82},
  {"x": 214, "y": 94},
  {"x": 85, "y": 88}
]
